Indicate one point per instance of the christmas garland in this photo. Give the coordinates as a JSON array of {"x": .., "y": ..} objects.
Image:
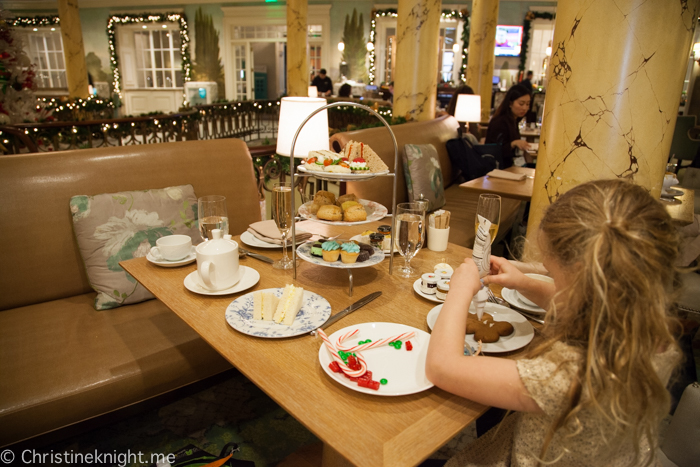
[
  {"x": 35, "y": 21},
  {"x": 531, "y": 15},
  {"x": 149, "y": 18},
  {"x": 446, "y": 14}
]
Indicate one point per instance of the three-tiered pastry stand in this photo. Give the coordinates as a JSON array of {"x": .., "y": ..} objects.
[{"x": 339, "y": 178}]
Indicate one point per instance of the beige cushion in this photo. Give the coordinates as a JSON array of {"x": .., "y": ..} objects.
[
  {"x": 423, "y": 173},
  {"x": 113, "y": 227}
]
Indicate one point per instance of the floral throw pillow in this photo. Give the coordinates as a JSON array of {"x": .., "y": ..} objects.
[
  {"x": 421, "y": 168},
  {"x": 114, "y": 227}
]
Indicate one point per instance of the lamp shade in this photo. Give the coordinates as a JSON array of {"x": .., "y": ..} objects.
[
  {"x": 314, "y": 135},
  {"x": 468, "y": 108},
  {"x": 313, "y": 91}
]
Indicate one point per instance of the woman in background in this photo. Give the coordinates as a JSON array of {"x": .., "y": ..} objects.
[{"x": 503, "y": 127}]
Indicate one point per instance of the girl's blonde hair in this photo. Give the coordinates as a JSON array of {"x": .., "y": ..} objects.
[{"x": 618, "y": 247}]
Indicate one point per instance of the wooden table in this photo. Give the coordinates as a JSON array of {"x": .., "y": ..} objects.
[
  {"x": 681, "y": 208},
  {"x": 521, "y": 190},
  {"x": 362, "y": 429},
  {"x": 530, "y": 134}
]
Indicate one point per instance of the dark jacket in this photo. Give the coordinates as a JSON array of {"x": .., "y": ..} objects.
[{"x": 503, "y": 129}]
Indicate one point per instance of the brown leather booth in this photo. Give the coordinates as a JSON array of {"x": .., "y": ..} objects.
[{"x": 61, "y": 361}]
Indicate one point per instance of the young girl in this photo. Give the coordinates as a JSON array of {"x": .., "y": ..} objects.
[{"x": 593, "y": 392}]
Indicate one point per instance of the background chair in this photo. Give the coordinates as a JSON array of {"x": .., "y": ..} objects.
[
  {"x": 683, "y": 147},
  {"x": 680, "y": 447}
]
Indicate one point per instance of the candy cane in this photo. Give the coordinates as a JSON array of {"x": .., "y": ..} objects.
[
  {"x": 334, "y": 353},
  {"x": 370, "y": 345}
]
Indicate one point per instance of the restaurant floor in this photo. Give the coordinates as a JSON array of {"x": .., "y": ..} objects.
[{"x": 232, "y": 409}]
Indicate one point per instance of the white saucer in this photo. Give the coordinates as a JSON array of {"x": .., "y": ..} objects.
[
  {"x": 432, "y": 297},
  {"x": 511, "y": 296},
  {"x": 249, "y": 277},
  {"x": 172, "y": 264}
]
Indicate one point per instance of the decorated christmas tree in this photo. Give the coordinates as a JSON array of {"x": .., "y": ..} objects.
[{"x": 18, "y": 104}]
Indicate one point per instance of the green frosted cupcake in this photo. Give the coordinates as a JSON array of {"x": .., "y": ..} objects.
[{"x": 331, "y": 251}]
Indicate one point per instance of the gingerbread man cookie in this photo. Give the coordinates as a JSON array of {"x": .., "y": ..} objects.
[{"x": 487, "y": 330}]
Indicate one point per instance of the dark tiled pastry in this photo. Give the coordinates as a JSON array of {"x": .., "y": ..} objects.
[{"x": 317, "y": 250}]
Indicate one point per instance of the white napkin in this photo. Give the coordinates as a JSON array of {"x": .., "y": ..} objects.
[
  {"x": 497, "y": 173},
  {"x": 267, "y": 231}
]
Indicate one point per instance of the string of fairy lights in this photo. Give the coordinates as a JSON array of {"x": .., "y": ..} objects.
[
  {"x": 35, "y": 21},
  {"x": 446, "y": 15},
  {"x": 116, "y": 20}
]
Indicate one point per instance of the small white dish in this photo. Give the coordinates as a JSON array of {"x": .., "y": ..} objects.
[
  {"x": 248, "y": 278},
  {"x": 512, "y": 297},
  {"x": 432, "y": 298},
  {"x": 314, "y": 312},
  {"x": 251, "y": 240},
  {"x": 671, "y": 193},
  {"x": 523, "y": 332},
  {"x": 172, "y": 264},
  {"x": 404, "y": 370}
]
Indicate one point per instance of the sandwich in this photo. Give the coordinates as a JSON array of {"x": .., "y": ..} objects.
[
  {"x": 264, "y": 305},
  {"x": 289, "y": 305}
]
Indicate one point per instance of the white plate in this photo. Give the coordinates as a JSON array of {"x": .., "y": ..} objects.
[
  {"x": 375, "y": 212},
  {"x": 304, "y": 252},
  {"x": 404, "y": 370},
  {"x": 671, "y": 193},
  {"x": 314, "y": 312},
  {"x": 251, "y": 240},
  {"x": 360, "y": 239},
  {"x": 339, "y": 176},
  {"x": 511, "y": 296},
  {"x": 432, "y": 298},
  {"x": 249, "y": 277},
  {"x": 522, "y": 334},
  {"x": 172, "y": 264}
]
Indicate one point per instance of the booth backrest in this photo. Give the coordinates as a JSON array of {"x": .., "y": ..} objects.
[
  {"x": 39, "y": 258},
  {"x": 436, "y": 132}
]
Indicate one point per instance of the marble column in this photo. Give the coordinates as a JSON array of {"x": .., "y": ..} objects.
[
  {"x": 615, "y": 80},
  {"x": 482, "y": 40},
  {"x": 417, "y": 42},
  {"x": 73, "y": 50},
  {"x": 297, "y": 62}
]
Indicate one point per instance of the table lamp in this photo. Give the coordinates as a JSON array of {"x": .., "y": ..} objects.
[
  {"x": 468, "y": 109},
  {"x": 314, "y": 135},
  {"x": 313, "y": 91}
]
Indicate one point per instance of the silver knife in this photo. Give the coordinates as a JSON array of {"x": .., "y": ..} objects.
[
  {"x": 358, "y": 304},
  {"x": 260, "y": 257}
]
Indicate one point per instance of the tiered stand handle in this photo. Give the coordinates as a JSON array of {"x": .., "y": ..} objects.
[{"x": 320, "y": 175}]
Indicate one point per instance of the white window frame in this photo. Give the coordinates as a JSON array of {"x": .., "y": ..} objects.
[
  {"x": 266, "y": 15},
  {"x": 41, "y": 32},
  {"x": 127, "y": 51}
]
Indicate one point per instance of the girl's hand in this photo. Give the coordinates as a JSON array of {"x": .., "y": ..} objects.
[
  {"x": 466, "y": 278},
  {"x": 504, "y": 273}
]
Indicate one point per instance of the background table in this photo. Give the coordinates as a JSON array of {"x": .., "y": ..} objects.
[
  {"x": 367, "y": 430},
  {"x": 521, "y": 190}
]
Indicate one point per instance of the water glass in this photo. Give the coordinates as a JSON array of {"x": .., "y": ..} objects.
[
  {"x": 409, "y": 224},
  {"x": 212, "y": 214}
]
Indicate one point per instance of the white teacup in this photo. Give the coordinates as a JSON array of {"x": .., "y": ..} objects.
[
  {"x": 539, "y": 277},
  {"x": 172, "y": 247},
  {"x": 217, "y": 262},
  {"x": 669, "y": 181}
]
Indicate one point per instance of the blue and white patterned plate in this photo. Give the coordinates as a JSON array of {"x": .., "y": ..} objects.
[
  {"x": 314, "y": 312},
  {"x": 304, "y": 252}
]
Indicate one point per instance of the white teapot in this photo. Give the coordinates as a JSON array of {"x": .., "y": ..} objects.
[{"x": 217, "y": 262}]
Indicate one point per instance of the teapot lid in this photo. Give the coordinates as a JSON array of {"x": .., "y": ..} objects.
[{"x": 217, "y": 244}]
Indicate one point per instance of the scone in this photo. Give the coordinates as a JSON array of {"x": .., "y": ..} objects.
[
  {"x": 324, "y": 194},
  {"x": 344, "y": 206},
  {"x": 330, "y": 212},
  {"x": 316, "y": 205},
  {"x": 355, "y": 213},
  {"x": 347, "y": 197}
]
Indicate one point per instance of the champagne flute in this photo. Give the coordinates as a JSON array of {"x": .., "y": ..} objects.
[
  {"x": 408, "y": 231},
  {"x": 489, "y": 207},
  {"x": 212, "y": 214},
  {"x": 282, "y": 214}
]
